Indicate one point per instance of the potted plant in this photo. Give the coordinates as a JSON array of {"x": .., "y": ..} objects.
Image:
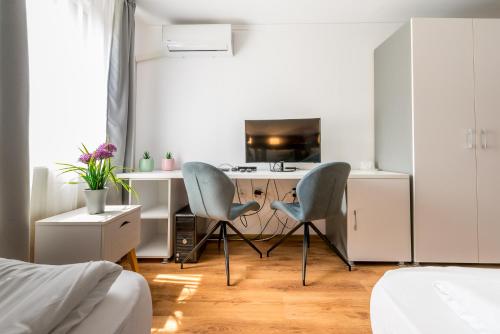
[
  {"x": 168, "y": 162},
  {"x": 96, "y": 172},
  {"x": 146, "y": 164}
]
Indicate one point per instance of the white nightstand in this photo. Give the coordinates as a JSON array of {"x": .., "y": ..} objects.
[{"x": 76, "y": 236}]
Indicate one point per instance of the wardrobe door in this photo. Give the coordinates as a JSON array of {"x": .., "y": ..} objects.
[
  {"x": 445, "y": 213},
  {"x": 487, "y": 75},
  {"x": 378, "y": 223}
]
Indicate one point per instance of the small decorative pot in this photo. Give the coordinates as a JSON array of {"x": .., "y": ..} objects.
[
  {"x": 96, "y": 200},
  {"x": 167, "y": 164},
  {"x": 146, "y": 165}
]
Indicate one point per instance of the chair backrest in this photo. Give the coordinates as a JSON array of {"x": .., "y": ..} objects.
[
  {"x": 320, "y": 192},
  {"x": 210, "y": 191}
]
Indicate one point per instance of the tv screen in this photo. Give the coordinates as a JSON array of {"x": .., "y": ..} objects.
[{"x": 288, "y": 140}]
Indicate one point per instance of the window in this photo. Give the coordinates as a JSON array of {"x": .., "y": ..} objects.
[{"x": 69, "y": 44}]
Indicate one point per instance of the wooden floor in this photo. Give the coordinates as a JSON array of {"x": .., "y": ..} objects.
[{"x": 266, "y": 296}]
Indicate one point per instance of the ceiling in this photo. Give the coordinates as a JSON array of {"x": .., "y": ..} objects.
[{"x": 307, "y": 11}]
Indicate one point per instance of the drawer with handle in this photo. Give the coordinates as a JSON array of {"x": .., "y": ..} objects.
[{"x": 120, "y": 236}]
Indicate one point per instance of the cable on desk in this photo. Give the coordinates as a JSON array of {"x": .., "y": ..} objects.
[
  {"x": 274, "y": 214},
  {"x": 243, "y": 218}
]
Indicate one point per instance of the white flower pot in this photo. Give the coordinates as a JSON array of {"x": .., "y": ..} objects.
[{"x": 96, "y": 200}]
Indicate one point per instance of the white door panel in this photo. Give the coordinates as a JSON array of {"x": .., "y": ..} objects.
[
  {"x": 445, "y": 209},
  {"x": 378, "y": 224},
  {"x": 487, "y": 105}
]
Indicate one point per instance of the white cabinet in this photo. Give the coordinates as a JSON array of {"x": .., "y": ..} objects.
[
  {"x": 487, "y": 111},
  {"x": 378, "y": 220},
  {"x": 444, "y": 167},
  {"x": 76, "y": 236},
  {"x": 451, "y": 115},
  {"x": 375, "y": 224}
]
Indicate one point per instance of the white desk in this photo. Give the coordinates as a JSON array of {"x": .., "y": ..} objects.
[
  {"x": 261, "y": 174},
  {"x": 378, "y": 196}
]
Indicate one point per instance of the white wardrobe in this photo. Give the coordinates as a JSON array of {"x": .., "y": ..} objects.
[{"x": 437, "y": 117}]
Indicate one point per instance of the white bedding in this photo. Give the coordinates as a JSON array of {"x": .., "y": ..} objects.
[
  {"x": 126, "y": 309},
  {"x": 437, "y": 300},
  {"x": 51, "y": 299}
]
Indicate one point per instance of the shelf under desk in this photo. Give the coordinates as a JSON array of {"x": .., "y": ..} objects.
[
  {"x": 159, "y": 211},
  {"x": 161, "y": 198},
  {"x": 155, "y": 247}
]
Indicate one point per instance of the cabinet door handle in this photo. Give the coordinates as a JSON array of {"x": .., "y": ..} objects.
[
  {"x": 355, "y": 220},
  {"x": 469, "y": 139},
  {"x": 124, "y": 223},
  {"x": 484, "y": 139}
]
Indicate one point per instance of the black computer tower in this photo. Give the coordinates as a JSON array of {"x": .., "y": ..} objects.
[{"x": 189, "y": 230}]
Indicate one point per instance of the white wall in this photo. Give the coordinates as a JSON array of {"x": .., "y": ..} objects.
[{"x": 196, "y": 107}]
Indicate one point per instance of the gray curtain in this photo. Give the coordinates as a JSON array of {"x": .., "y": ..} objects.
[
  {"x": 121, "y": 84},
  {"x": 14, "y": 131}
]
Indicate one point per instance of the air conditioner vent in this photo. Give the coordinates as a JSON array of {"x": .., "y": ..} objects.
[{"x": 198, "y": 39}]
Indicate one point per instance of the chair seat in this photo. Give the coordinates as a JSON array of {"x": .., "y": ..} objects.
[
  {"x": 238, "y": 209},
  {"x": 291, "y": 209}
]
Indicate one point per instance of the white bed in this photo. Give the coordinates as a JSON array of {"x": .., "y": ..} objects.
[
  {"x": 126, "y": 309},
  {"x": 440, "y": 300},
  {"x": 81, "y": 298}
]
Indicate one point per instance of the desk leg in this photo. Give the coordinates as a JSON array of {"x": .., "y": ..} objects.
[{"x": 132, "y": 260}]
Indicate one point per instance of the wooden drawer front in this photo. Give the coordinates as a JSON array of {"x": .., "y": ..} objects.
[{"x": 120, "y": 236}]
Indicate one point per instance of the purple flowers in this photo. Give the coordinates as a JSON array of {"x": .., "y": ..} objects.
[
  {"x": 101, "y": 154},
  {"x": 104, "y": 151},
  {"x": 85, "y": 158},
  {"x": 107, "y": 147},
  {"x": 99, "y": 170}
]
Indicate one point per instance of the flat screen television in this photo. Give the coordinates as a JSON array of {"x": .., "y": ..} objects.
[{"x": 288, "y": 140}]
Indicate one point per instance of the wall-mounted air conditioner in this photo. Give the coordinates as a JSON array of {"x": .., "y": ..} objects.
[{"x": 197, "y": 39}]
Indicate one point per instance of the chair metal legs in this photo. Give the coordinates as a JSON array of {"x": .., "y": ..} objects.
[
  {"x": 226, "y": 252},
  {"x": 222, "y": 225},
  {"x": 284, "y": 238},
  {"x": 305, "y": 248},
  {"x": 306, "y": 243},
  {"x": 219, "y": 239},
  {"x": 244, "y": 238},
  {"x": 331, "y": 246},
  {"x": 308, "y": 237}
]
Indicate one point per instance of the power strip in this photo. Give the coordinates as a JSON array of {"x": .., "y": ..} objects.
[{"x": 246, "y": 168}]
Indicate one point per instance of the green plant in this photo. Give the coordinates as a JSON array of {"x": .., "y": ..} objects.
[
  {"x": 98, "y": 169},
  {"x": 146, "y": 155},
  {"x": 169, "y": 155}
]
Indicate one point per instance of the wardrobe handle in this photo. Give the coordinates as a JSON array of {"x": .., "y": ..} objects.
[
  {"x": 469, "y": 139},
  {"x": 484, "y": 139},
  {"x": 355, "y": 220}
]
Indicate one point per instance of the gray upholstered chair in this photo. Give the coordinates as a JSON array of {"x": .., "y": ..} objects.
[
  {"x": 320, "y": 194},
  {"x": 210, "y": 195}
]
